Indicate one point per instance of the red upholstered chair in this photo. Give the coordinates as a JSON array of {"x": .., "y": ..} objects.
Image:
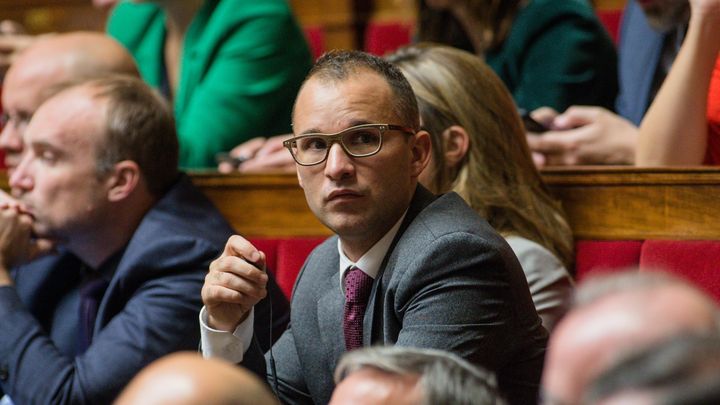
[
  {"x": 385, "y": 37},
  {"x": 316, "y": 39},
  {"x": 285, "y": 257},
  {"x": 593, "y": 257},
  {"x": 291, "y": 256},
  {"x": 695, "y": 261}
]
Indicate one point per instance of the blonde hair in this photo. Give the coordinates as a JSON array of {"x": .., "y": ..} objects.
[{"x": 497, "y": 176}]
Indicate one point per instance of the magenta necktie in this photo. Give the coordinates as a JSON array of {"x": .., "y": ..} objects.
[{"x": 357, "y": 291}]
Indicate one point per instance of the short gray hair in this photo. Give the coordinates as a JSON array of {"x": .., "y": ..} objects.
[
  {"x": 444, "y": 377},
  {"x": 632, "y": 280}
]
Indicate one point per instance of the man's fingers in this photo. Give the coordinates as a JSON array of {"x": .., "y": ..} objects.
[
  {"x": 538, "y": 159},
  {"x": 578, "y": 116},
  {"x": 218, "y": 294},
  {"x": 246, "y": 279},
  {"x": 241, "y": 247},
  {"x": 225, "y": 167},
  {"x": 238, "y": 267},
  {"x": 544, "y": 115},
  {"x": 10, "y": 27},
  {"x": 248, "y": 148},
  {"x": 281, "y": 160},
  {"x": 552, "y": 142}
]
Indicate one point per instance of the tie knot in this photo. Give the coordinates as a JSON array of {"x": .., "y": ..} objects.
[{"x": 357, "y": 285}]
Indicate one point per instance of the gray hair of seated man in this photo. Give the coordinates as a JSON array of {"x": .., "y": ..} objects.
[
  {"x": 444, "y": 377},
  {"x": 681, "y": 370},
  {"x": 630, "y": 280}
]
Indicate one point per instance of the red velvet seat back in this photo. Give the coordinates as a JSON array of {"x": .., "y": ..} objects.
[
  {"x": 695, "y": 261},
  {"x": 285, "y": 257},
  {"x": 593, "y": 257}
]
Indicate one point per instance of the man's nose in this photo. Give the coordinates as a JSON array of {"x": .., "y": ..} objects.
[
  {"x": 339, "y": 164},
  {"x": 21, "y": 179},
  {"x": 11, "y": 139}
]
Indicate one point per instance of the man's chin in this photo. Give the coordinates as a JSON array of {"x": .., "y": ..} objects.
[{"x": 40, "y": 232}]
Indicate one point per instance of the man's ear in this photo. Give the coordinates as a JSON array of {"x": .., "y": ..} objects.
[
  {"x": 457, "y": 142},
  {"x": 420, "y": 152},
  {"x": 123, "y": 181}
]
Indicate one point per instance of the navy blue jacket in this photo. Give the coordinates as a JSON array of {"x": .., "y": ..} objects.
[{"x": 149, "y": 309}]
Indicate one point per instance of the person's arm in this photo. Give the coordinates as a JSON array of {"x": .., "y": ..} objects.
[
  {"x": 463, "y": 269},
  {"x": 158, "y": 318},
  {"x": 674, "y": 130},
  {"x": 551, "y": 286},
  {"x": 261, "y": 155},
  {"x": 466, "y": 293}
]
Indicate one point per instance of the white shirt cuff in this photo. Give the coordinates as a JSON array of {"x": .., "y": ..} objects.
[{"x": 226, "y": 345}]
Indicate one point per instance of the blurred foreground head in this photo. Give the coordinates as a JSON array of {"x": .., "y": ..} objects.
[
  {"x": 188, "y": 379},
  {"x": 404, "y": 375},
  {"x": 617, "y": 315}
]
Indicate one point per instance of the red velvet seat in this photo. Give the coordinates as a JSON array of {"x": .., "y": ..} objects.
[
  {"x": 593, "y": 257},
  {"x": 316, "y": 39},
  {"x": 285, "y": 257},
  {"x": 695, "y": 261},
  {"x": 386, "y": 37}
]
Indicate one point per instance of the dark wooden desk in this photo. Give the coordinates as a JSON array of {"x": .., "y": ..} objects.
[{"x": 605, "y": 203}]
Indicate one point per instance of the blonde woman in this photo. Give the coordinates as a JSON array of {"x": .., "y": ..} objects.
[{"x": 480, "y": 151}]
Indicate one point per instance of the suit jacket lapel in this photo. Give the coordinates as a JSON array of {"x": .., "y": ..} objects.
[
  {"x": 330, "y": 316},
  {"x": 374, "y": 321}
]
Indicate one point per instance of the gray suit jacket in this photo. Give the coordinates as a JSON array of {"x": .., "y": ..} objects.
[{"x": 448, "y": 282}]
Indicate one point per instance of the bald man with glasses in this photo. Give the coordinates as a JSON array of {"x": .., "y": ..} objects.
[{"x": 405, "y": 268}]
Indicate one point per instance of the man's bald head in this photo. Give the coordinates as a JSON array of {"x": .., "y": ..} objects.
[
  {"x": 188, "y": 379},
  {"x": 47, "y": 65},
  {"x": 615, "y": 316}
]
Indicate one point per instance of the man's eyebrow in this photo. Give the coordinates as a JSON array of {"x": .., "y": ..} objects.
[
  {"x": 352, "y": 123},
  {"x": 44, "y": 145}
]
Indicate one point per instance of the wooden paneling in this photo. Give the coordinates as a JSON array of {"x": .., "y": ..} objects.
[
  {"x": 262, "y": 205},
  {"x": 610, "y": 4},
  {"x": 53, "y": 16},
  {"x": 617, "y": 203},
  {"x": 601, "y": 203},
  {"x": 335, "y": 17},
  {"x": 634, "y": 203}
]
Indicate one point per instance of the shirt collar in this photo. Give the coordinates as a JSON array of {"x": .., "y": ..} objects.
[{"x": 370, "y": 262}]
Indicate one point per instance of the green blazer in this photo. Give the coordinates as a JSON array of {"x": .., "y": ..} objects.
[
  {"x": 242, "y": 65},
  {"x": 557, "y": 54}
]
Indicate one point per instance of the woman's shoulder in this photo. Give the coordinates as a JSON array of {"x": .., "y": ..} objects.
[{"x": 529, "y": 251}]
